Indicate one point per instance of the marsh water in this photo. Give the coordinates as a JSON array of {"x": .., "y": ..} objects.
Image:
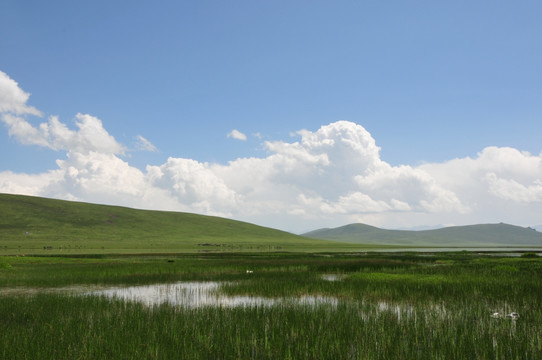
[
  {"x": 496, "y": 251},
  {"x": 196, "y": 294},
  {"x": 205, "y": 294},
  {"x": 186, "y": 294},
  {"x": 199, "y": 294}
]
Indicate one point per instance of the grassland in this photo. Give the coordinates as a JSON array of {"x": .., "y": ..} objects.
[
  {"x": 33, "y": 225},
  {"x": 389, "y": 306}
]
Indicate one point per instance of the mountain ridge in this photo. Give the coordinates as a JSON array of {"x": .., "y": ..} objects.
[{"x": 499, "y": 234}]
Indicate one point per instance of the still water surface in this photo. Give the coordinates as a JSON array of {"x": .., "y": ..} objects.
[{"x": 199, "y": 294}]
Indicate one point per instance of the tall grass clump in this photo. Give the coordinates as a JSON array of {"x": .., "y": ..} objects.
[{"x": 52, "y": 326}]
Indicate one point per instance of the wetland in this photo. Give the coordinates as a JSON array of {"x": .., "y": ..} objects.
[{"x": 265, "y": 306}]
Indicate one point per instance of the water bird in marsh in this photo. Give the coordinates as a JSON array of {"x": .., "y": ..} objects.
[
  {"x": 513, "y": 315},
  {"x": 332, "y": 277}
]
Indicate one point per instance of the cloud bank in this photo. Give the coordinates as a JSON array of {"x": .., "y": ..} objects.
[{"x": 328, "y": 177}]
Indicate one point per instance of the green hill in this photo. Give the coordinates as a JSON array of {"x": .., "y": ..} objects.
[
  {"x": 472, "y": 235},
  {"x": 30, "y": 225},
  {"x": 34, "y": 225}
]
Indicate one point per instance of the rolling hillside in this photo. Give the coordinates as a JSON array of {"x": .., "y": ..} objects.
[
  {"x": 38, "y": 225},
  {"x": 34, "y": 225},
  {"x": 472, "y": 235}
]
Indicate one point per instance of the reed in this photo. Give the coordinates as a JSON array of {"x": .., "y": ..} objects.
[{"x": 400, "y": 306}]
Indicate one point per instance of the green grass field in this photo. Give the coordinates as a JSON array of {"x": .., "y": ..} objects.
[
  {"x": 33, "y": 225},
  {"x": 388, "y": 306}
]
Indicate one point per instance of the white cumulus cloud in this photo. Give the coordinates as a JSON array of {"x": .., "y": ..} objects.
[
  {"x": 195, "y": 185},
  {"x": 236, "y": 134},
  {"x": 499, "y": 184},
  {"x": 327, "y": 177},
  {"x": 333, "y": 173},
  {"x": 13, "y": 99},
  {"x": 90, "y": 136}
]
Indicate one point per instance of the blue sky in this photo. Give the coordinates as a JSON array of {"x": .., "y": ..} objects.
[{"x": 428, "y": 82}]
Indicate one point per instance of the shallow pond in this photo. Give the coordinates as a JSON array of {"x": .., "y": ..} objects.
[
  {"x": 192, "y": 294},
  {"x": 199, "y": 294}
]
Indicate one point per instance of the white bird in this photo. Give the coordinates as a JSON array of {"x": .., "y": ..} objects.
[{"x": 513, "y": 315}]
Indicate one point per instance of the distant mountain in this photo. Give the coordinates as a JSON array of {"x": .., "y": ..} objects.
[{"x": 471, "y": 235}]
